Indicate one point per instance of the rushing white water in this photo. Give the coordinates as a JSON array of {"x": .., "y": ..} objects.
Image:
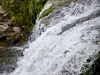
[{"x": 66, "y": 45}]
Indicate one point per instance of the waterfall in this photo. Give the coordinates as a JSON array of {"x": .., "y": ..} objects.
[{"x": 65, "y": 44}]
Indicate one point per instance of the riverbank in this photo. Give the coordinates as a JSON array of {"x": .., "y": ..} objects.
[{"x": 16, "y": 23}]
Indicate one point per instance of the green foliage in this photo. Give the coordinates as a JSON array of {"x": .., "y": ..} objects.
[
  {"x": 23, "y": 10},
  {"x": 24, "y": 13}
]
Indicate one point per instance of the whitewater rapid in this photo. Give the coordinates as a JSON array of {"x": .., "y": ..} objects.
[{"x": 66, "y": 44}]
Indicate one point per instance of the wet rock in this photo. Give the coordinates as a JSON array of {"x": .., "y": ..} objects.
[
  {"x": 1, "y": 10},
  {"x": 81, "y": 1},
  {"x": 3, "y": 27},
  {"x": 45, "y": 21},
  {"x": 16, "y": 30},
  {"x": 8, "y": 59}
]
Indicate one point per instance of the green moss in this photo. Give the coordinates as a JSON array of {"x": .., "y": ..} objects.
[
  {"x": 24, "y": 14},
  {"x": 23, "y": 10},
  {"x": 46, "y": 11},
  {"x": 55, "y": 4}
]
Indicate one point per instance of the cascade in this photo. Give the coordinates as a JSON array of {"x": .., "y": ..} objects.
[{"x": 70, "y": 39}]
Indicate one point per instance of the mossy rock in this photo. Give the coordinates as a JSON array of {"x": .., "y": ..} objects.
[
  {"x": 65, "y": 2},
  {"x": 54, "y": 4},
  {"x": 46, "y": 11}
]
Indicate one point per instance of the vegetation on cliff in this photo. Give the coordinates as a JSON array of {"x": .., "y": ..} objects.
[
  {"x": 23, "y": 10},
  {"x": 22, "y": 14}
]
